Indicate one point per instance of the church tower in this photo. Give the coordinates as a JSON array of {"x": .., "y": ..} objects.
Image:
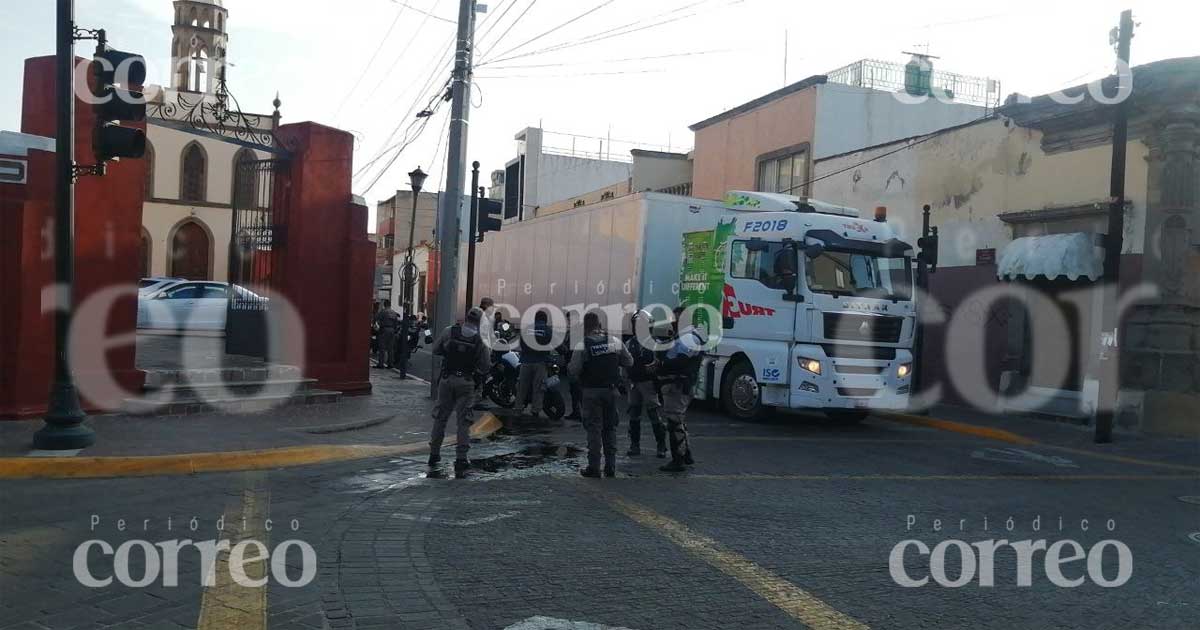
[{"x": 199, "y": 45}]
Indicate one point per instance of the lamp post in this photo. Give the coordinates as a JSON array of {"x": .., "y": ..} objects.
[{"x": 417, "y": 180}]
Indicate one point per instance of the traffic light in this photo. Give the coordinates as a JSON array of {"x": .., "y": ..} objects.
[
  {"x": 929, "y": 249},
  {"x": 489, "y": 217},
  {"x": 114, "y": 105}
]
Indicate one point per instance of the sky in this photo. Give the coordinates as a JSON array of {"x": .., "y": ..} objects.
[{"x": 368, "y": 66}]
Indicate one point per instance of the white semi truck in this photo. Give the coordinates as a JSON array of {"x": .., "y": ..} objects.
[{"x": 816, "y": 304}]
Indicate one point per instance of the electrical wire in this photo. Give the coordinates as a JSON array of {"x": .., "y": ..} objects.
[
  {"x": 597, "y": 37},
  {"x": 568, "y": 76},
  {"x": 558, "y": 27},
  {"x": 624, "y": 60},
  {"x": 362, "y": 75},
  {"x": 509, "y": 29}
]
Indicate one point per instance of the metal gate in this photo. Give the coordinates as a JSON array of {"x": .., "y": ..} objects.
[{"x": 256, "y": 248}]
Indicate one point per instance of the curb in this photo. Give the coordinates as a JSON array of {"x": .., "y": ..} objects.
[
  {"x": 1013, "y": 438},
  {"x": 233, "y": 461},
  {"x": 959, "y": 427},
  {"x": 342, "y": 428}
]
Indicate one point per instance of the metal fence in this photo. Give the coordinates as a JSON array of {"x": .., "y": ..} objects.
[{"x": 889, "y": 76}]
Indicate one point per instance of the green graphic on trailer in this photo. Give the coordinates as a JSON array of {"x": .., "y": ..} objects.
[{"x": 703, "y": 273}]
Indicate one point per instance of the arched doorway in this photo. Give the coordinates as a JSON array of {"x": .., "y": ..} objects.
[{"x": 191, "y": 252}]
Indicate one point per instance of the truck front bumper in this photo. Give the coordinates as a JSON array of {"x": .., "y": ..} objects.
[{"x": 849, "y": 383}]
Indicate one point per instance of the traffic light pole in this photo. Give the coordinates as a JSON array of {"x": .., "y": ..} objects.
[
  {"x": 64, "y": 428},
  {"x": 451, "y": 207},
  {"x": 472, "y": 236}
]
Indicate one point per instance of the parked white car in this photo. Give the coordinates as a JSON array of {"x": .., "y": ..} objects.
[
  {"x": 187, "y": 305},
  {"x": 148, "y": 286}
]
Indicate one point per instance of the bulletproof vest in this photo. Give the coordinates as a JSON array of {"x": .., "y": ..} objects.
[
  {"x": 642, "y": 357},
  {"x": 461, "y": 352},
  {"x": 602, "y": 363},
  {"x": 682, "y": 363}
]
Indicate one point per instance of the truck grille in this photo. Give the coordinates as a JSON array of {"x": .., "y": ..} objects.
[
  {"x": 857, "y": 392},
  {"x": 876, "y": 328},
  {"x": 874, "y": 353},
  {"x": 858, "y": 369}
]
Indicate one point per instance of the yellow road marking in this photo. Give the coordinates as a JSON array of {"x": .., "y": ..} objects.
[
  {"x": 786, "y": 596},
  {"x": 193, "y": 463},
  {"x": 1013, "y": 438},
  {"x": 227, "y": 604},
  {"x": 1121, "y": 458},
  {"x": 959, "y": 427}
]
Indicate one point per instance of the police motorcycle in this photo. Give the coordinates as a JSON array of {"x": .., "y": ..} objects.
[{"x": 500, "y": 383}]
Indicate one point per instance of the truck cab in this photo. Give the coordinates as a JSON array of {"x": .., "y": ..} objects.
[{"x": 817, "y": 308}]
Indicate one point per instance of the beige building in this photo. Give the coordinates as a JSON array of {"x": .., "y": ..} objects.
[
  {"x": 769, "y": 144},
  {"x": 191, "y": 157},
  {"x": 1035, "y": 178}
]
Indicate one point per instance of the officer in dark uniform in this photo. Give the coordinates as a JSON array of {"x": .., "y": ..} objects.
[
  {"x": 387, "y": 323},
  {"x": 597, "y": 365},
  {"x": 463, "y": 355},
  {"x": 643, "y": 391},
  {"x": 678, "y": 371}
]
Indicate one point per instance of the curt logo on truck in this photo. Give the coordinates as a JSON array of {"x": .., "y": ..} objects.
[{"x": 735, "y": 309}]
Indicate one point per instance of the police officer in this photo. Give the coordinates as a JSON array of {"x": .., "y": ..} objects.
[
  {"x": 597, "y": 365},
  {"x": 643, "y": 391},
  {"x": 463, "y": 355},
  {"x": 535, "y": 354},
  {"x": 568, "y": 345},
  {"x": 679, "y": 368},
  {"x": 387, "y": 322}
]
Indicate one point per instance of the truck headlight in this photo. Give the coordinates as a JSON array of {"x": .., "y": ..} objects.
[
  {"x": 904, "y": 370},
  {"x": 810, "y": 365}
]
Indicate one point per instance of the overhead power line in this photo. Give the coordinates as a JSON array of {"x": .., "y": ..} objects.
[
  {"x": 558, "y": 28},
  {"x": 507, "y": 30},
  {"x": 617, "y": 31},
  {"x": 383, "y": 41},
  {"x": 601, "y": 61},
  {"x": 436, "y": 17}
]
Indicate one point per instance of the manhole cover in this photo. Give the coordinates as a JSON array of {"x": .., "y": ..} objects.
[
  {"x": 1194, "y": 537},
  {"x": 1193, "y": 499}
]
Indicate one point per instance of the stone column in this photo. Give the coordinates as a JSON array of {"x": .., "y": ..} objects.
[{"x": 1160, "y": 384}]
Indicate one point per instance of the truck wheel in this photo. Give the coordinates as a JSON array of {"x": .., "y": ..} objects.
[
  {"x": 847, "y": 416},
  {"x": 740, "y": 394}
]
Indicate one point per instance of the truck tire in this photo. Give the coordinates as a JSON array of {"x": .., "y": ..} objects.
[
  {"x": 741, "y": 395},
  {"x": 847, "y": 416}
]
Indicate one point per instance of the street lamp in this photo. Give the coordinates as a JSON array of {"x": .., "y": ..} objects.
[{"x": 417, "y": 181}]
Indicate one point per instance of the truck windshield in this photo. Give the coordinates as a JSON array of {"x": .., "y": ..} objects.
[{"x": 841, "y": 273}]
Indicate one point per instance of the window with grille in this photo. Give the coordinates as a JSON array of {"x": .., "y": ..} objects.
[{"x": 785, "y": 174}]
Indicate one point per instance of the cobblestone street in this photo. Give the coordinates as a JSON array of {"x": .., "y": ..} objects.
[{"x": 786, "y": 522}]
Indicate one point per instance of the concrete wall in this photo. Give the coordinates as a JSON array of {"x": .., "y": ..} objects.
[
  {"x": 850, "y": 118},
  {"x": 653, "y": 170},
  {"x": 727, "y": 152},
  {"x": 974, "y": 173},
  {"x": 619, "y": 189},
  {"x": 561, "y": 177}
]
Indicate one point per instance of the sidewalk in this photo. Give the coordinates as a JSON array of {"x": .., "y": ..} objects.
[
  {"x": 396, "y": 413},
  {"x": 1018, "y": 428}
]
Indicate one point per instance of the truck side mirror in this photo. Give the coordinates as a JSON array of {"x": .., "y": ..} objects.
[{"x": 814, "y": 251}]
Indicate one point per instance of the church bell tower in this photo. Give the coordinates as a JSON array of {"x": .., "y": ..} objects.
[{"x": 199, "y": 45}]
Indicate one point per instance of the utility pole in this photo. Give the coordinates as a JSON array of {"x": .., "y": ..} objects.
[
  {"x": 923, "y": 270},
  {"x": 64, "y": 428},
  {"x": 1108, "y": 363},
  {"x": 456, "y": 167},
  {"x": 472, "y": 239}
]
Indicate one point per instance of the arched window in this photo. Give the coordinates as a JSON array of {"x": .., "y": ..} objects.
[
  {"x": 220, "y": 23},
  {"x": 245, "y": 180},
  {"x": 191, "y": 252},
  {"x": 193, "y": 174},
  {"x": 148, "y": 191}
]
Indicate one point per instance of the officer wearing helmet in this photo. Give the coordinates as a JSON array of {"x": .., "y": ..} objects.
[
  {"x": 679, "y": 369},
  {"x": 643, "y": 391},
  {"x": 597, "y": 365},
  {"x": 464, "y": 354}
]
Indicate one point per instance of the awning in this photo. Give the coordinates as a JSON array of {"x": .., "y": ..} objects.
[{"x": 1072, "y": 255}]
